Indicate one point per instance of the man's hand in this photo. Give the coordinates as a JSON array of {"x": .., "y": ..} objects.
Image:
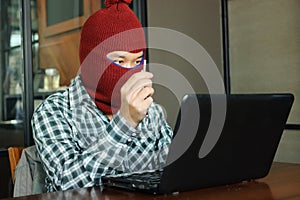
[{"x": 136, "y": 97}]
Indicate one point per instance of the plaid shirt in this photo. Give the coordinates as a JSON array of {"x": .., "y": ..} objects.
[{"x": 78, "y": 144}]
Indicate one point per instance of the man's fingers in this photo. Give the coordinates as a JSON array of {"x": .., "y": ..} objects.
[
  {"x": 136, "y": 97},
  {"x": 143, "y": 99},
  {"x": 145, "y": 93},
  {"x": 135, "y": 89},
  {"x": 140, "y": 85},
  {"x": 135, "y": 79}
]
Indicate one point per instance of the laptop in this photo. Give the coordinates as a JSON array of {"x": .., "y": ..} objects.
[{"x": 231, "y": 138}]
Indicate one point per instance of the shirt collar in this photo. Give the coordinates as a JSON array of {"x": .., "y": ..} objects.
[{"x": 78, "y": 94}]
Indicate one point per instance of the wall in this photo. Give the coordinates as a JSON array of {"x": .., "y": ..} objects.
[
  {"x": 199, "y": 20},
  {"x": 264, "y": 56}
]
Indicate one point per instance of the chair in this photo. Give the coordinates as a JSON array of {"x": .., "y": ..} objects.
[
  {"x": 14, "y": 154},
  {"x": 28, "y": 175}
]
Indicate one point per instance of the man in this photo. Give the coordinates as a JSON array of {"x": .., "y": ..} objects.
[{"x": 106, "y": 122}]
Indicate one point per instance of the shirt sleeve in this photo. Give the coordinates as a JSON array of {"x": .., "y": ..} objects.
[{"x": 119, "y": 148}]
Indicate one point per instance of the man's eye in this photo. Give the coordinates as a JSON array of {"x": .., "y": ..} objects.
[
  {"x": 119, "y": 61},
  {"x": 138, "y": 62}
]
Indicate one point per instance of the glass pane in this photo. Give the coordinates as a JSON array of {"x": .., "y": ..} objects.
[
  {"x": 11, "y": 79},
  {"x": 59, "y": 11}
]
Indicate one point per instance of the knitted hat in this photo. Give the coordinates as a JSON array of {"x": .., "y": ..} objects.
[{"x": 115, "y": 28}]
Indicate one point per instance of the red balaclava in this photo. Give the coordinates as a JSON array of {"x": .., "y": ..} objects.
[{"x": 115, "y": 28}]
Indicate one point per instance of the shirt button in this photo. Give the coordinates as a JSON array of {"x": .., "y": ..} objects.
[
  {"x": 129, "y": 140},
  {"x": 133, "y": 134}
]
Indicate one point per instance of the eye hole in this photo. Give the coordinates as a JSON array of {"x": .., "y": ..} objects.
[{"x": 125, "y": 59}]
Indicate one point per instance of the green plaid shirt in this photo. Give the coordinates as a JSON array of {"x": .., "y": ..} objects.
[{"x": 78, "y": 144}]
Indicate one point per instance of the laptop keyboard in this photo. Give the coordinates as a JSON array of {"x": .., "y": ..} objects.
[
  {"x": 152, "y": 177},
  {"x": 148, "y": 180}
]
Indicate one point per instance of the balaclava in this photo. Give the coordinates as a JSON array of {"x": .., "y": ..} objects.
[{"x": 114, "y": 28}]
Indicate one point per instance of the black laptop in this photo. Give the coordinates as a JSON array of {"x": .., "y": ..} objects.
[{"x": 225, "y": 139}]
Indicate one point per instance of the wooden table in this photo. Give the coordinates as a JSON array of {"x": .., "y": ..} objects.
[{"x": 283, "y": 182}]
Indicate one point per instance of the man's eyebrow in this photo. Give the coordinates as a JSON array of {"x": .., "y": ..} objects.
[
  {"x": 114, "y": 56},
  {"x": 121, "y": 56}
]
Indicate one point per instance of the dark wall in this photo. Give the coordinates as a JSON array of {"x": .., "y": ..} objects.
[
  {"x": 11, "y": 135},
  {"x": 5, "y": 180}
]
